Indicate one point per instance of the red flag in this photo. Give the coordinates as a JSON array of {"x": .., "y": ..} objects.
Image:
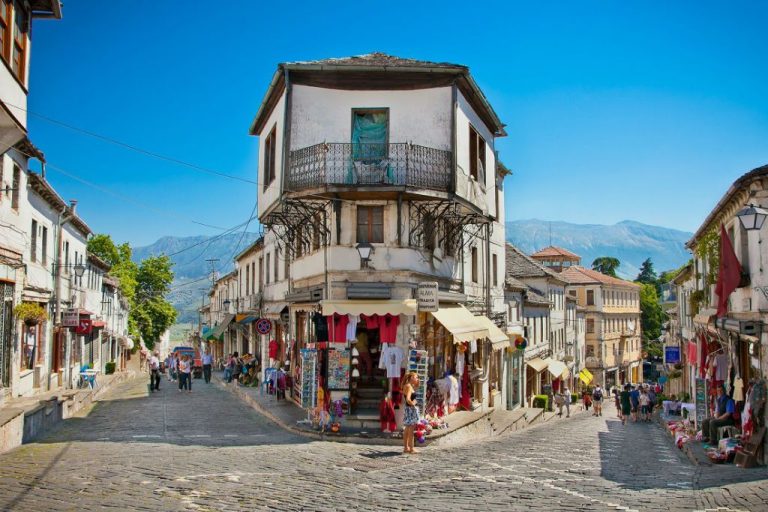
[{"x": 730, "y": 273}]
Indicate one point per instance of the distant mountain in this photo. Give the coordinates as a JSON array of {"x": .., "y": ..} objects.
[
  {"x": 629, "y": 241},
  {"x": 191, "y": 267}
]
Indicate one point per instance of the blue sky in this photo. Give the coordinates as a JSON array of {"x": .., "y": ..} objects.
[{"x": 615, "y": 110}]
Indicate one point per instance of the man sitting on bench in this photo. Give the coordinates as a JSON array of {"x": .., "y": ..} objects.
[{"x": 724, "y": 416}]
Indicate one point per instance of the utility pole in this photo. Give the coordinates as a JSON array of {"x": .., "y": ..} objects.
[{"x": 212, "y": 265}]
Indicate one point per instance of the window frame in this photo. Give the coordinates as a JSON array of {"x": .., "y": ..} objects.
[
  {"x": 474, "y": 266},
  {"x": 590, "y": 293},
  {"x": 371, "y": 212},
  {"x": 16, "y": 187},
  {"x": 477, "y": 152},
  {"x": 495, "y": 259},
  {"x": 19, "y": 44},
  {"x": 6, "y": 24},
  {"x": 33, "y": 242},
  {"x": 270, "y": 155}
]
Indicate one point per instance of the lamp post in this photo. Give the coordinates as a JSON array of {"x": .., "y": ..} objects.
[{"x": 364, "y": 249}]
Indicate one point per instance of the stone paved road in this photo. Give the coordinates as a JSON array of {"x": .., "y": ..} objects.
[{"x": 206, "y": 451}]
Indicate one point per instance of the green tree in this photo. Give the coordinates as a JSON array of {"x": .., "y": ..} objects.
[
  {"x": 647, "y": 274},
  {"x": 651, "y": 314},
  {"x": 606, "y": 265},
  {"x": 103, "y": 247},
  {"x": 153, "y": 313}
]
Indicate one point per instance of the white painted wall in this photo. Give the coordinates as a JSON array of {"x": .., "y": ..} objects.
[
  {"x": 268, "y": 197},
  {"x": 421, "y": 116},
  {"x": 480, "y": 194}
]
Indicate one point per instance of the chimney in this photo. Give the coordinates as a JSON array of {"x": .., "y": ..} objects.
[{"x": 72, "y": 205}]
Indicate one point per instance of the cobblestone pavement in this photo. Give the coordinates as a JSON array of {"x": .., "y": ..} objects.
[{"x": 206, "y": 451}]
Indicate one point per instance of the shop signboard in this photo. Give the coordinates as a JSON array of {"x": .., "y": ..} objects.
[
  {"x": 338, "y": 369},
  {"x": 671, "y": 355},
  {"x": 426, "y": 296},
  {"x": 701, "y": 401},
  {"x": 70, "y": 317}
]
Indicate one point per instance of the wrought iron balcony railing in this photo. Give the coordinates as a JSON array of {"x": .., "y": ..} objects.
[{"x": 347, "y": 164}]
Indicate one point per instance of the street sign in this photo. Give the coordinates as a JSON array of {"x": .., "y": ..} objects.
[
  {"x": 671, "y": 355},
  {"x": 84, "y": 326},
  {"x": 426, "y": 296},
  {"x": 70, "y": 317},
  {"x": 263, "y": 326}
]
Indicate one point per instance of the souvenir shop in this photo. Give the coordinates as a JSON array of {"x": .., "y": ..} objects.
[
  {"x": 732, "y": 362},
  {"x": 348, "y": 357}
]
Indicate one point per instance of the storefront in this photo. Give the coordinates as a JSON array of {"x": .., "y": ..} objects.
[
  {"x": 515, "y": 372},
  {"x": 535, "y": 378}
]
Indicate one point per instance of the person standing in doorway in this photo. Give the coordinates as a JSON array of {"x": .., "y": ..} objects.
[
  {"x": 411, "y": 416},
  {"x": 154, "y": 371},
  {"x": 207, "y": 364}
]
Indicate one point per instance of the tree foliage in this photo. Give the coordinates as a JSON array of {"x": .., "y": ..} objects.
[
  {"x": 143, "y": 286},
  {"x": 606, "y": 265},
  {"x": 647, "y": 274},
  {"x": 652, "y": 316}
]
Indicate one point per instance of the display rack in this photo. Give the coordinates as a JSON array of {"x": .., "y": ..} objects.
[
  {"x": 308, "y": 388},
  {"x": 418, "y": 362}
]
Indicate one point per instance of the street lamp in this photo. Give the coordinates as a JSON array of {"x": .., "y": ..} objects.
[
  {"x": 364, "y": 249},
  {"x": 752, "y": 217},
  {"x": 227, "y": 303}
]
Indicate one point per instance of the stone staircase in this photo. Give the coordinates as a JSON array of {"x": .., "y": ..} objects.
[{"x": 366, "y": 413}]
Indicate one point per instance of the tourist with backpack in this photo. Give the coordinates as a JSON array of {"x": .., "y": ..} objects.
[{"x": 597, "y": 400}]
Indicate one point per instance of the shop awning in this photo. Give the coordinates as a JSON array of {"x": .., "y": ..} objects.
[
  {"x": 556, "y": 368},
  {"x": 369, "y": 307},
  {"x": 97, "y": 324},
  {"x": 704, "y": 317},
  {"x": 537, "y": 364},
  {"x": 245, "y": 319},
  {"x": 463, "y": 325},
  {"x": 273, "y": 309},
  {"x": 219, "y": 329},
  {"x": 514, "y": 331},
  {"x": 498, "y": 339}
]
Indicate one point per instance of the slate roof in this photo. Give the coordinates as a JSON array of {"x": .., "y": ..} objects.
[
  {"x": 376, "y": 59},
  {"x": 515, "y": 284},
  {"x": 520, "y": 265},
  {"x": 534, "y": 296},
  {"x": 581, "y": 275},
  {"x": 551, "y": 251}
]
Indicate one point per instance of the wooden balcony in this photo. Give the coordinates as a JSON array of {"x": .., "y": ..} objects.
[{"x": 369, "y": 167}]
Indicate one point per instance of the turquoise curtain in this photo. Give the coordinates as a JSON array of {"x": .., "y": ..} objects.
[{"x": 369, "y": 138}]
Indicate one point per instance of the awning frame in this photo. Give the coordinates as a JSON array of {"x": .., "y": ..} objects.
[
  {"x": 461, "y": 323},
  {"x": 369, "y": 307}
]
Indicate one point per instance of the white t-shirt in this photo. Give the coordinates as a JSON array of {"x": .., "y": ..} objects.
[
  {"x": 391, "y": 359},
  {"x": 352, "y": 327},
  {"x": 154, "y": 363}
]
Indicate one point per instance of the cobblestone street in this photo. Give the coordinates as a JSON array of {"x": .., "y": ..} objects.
[{"x": 206, "y": 451}]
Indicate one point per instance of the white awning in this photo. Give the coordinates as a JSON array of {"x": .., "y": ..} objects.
[
  {"x": 537, "y": 364},
  {"x": 463, "y": 325},
  {"x": 556, "y": 368},
  {"x": 273, "y": 309},
  {"x": 219, "y": 329},
  {"x": 497, "y": 337},
  {"x": 705, "y": 316},
  {"x": 513, "y": 331},
  {"x": 369, "y": 307}
]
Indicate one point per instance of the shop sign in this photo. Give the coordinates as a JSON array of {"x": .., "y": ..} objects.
[
  {"x": 671, "y": 355},
  {"x": 426, "y": 296},
  {"x": 263, "y": 326},
  {"x": 84, "y": 326},
  {"x": 70, "y": 317},
  {"x": 700, "y": 398}
]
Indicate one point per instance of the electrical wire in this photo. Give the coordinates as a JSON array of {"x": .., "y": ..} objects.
[{"x": 131, "y": 146}]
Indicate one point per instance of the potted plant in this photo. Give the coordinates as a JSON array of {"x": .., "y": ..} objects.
[{"x": 31, "y": 313}]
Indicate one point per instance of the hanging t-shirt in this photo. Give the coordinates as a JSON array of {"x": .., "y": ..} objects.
[
  {"x": 337, "y": 328},
  {"x": 352, "y": 327},
  {"x": 321, "y": 327},
  {"x": 391, "y": 359},
  {"x": 273, "y": 349},
  {"x": 473, "y": 346},
  {"x": 459, "y": 363},
  {"x": 738, "y": 389},
  {"x": 388, "y": 325},
  {"x": 371, "y": 321}
]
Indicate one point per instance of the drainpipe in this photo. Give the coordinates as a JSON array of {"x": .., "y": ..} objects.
[{"x": 64, "y": 216}]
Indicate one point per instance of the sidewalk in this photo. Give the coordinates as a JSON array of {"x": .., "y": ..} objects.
[
  {"x": 23, "y": 419},
  {"x": 462, "y": 425}
]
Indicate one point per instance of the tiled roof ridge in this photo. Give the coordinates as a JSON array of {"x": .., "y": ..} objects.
[
  {"x": 557, "y": 250},
  {"x": 597, "y": 276},
  {"x": 376, "y": 58},
  {"x": 544, "y": 270}
]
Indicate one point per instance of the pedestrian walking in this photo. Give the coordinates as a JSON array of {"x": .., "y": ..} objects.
[
  {"x": 597, "y": 400},
  {"x": 237, "y": 367},
  {"x": 559, "y": 402},
  {"x": 586, "y": 398},
  {"x": 651, "y": 399},
  {"x": 411, "y": 417},
  {"x": 228, "y": 369},
  {"x": 154, "y": 371},
  {"x": 626, "y": 406},
  {"x": 169, "y": 367},
  {"x": 634, "y": 398},
  {"x": 567, "y": 398},
  {"x": 207, "y": 364},
  {"x": 185, "y": 374},
  {"x": 617, "y": 401},
  {"x": 644, "y": 402}
]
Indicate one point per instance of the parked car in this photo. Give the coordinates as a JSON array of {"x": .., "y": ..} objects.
[{"x": 197, "y": 362}]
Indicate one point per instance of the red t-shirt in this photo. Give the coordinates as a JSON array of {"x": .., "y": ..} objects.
[
  {"x": 273, "y": 349},
  {"x": 337, "y": 328},
  {"x": 388, "y": 328}
]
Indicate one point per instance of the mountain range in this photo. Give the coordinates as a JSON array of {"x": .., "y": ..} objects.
[{"x": 631, "y": 242}]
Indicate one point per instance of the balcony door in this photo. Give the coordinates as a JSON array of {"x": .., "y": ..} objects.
[{"x": 370, "y": 136}]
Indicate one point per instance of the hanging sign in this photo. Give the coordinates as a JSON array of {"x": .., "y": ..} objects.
[
  {"x": 263, "y": 326},
  {"x": 671, "y": 355},
  {"x": 426, "y": 296},
  {"x": 84, "y": 326},
  {"x": 70, "y": 317}
]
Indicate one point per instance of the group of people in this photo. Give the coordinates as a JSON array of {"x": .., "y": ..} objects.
[
  {"x": 242, "y": 370},
  {"x": 180, "y": 369},
  {"x": 635, "y": 402}
]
